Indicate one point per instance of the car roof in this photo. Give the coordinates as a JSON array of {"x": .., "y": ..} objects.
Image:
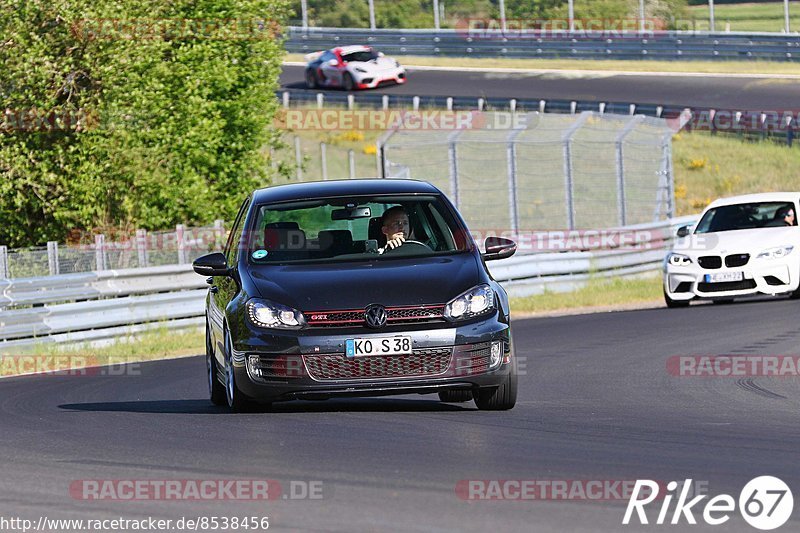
[
  {"x": 352, "y": 48},
  {"x": 759, "y": 197},
  {"x": 347, "y": 187}
]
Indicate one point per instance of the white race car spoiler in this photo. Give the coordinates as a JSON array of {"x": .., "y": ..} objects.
[{"x": 313, "y": 56}]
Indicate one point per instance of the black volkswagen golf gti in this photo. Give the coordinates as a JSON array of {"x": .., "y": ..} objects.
[{"x": 356, "y": 288}]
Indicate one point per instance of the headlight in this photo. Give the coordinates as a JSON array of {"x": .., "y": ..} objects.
[
  {"x": 474, "y": 302},
  {"x": 266, "y": 314},
  {"x": 359, "y": 69},
  {"x": 679, "y": 260},
  {"x": 776, "y": 253}
]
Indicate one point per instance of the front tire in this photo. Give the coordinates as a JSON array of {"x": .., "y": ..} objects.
[
  {"x": 347, "y": 82},
  {"x": 674, "y": 304},
  {"x": 216, "y": 390},
  {"x": 236, "y": 400},
  {"x": 501, "y": 398},
  {"x": 795, "y": 295}
]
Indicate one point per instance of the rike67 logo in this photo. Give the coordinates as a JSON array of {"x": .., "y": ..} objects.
[{"x": 765, "y": 503}]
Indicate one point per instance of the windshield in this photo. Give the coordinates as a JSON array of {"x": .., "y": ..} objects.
[
  {"x": 748, "y": 216},
  {"x": 354, "y": 228},
  {"x": 364, "y": 56}
]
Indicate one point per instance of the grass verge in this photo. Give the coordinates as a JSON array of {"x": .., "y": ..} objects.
[
  {"x": 158, "y": 344},
  {"x": 712, "y": 166},
  {"x": 766, "y": 16},
  {"x": 597, "y": 294},
  {"x": 766, "y": 68}
]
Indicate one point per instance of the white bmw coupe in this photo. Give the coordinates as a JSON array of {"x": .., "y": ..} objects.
[{"x": 741, "y": 246}]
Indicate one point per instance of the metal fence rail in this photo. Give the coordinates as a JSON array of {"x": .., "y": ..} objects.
[
  {"x": 99, "y": 306},
  {"x": 105, "y": 252},
  {"x": 753, "y": 124},
  {"x": 661, "y": 45}
]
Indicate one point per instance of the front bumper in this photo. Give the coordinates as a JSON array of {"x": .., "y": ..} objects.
[
  {"x": 312, "y": 364},
  {"x": 372, "y": 80},
  {"x": 770, "y": 277}
]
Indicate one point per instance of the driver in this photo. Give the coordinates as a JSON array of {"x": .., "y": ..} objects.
[
  {"x": 395, "y": 226},
  {"x": 786, "y": 214}
]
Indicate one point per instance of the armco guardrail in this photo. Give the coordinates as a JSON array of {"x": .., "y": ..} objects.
[
  {"x": 98, "y": 306},
  {"x": 527, "y": 274},
  {"x": 660, "y": 45}
]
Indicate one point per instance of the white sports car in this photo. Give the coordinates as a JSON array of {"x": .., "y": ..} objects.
[
  {"x": 742, "y": 245},
  {"x": 352, "y": 67}
]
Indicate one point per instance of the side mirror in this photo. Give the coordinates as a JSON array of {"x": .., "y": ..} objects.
[
  {"x": 334, "y": 62},
  {"x": 498, "y": 248},
  {"x": 211, "y": 265},
  {"x": 683, "y": 231}
]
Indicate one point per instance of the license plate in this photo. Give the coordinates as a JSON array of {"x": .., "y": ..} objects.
[
  {"x": 378, "y": 346},
  {"x": 721, "y": 277}
]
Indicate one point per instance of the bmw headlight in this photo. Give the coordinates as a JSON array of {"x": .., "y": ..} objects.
[
  {"x": 266, "y": 314},
  {"x": 776, "y": 253},
  {"x": 679, "y": 260},
  {"x": 359, "y": 69},
  {"x": 474, "y": 302}
]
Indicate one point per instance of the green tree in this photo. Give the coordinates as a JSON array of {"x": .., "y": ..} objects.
[{"x": 175, "y": 101}]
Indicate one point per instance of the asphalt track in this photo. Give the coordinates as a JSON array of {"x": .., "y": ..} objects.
[
  {"x": 595, "y": 403},
  {"x": 728, "y": 92}
]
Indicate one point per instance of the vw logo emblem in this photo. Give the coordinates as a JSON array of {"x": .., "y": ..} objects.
[{"x": 375, "y": 316}]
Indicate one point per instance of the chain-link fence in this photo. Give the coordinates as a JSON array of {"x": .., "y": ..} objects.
[
  {"x": 312, "y": 160},
  {"x": 583, "y": 171},
  {"x": 99, "y": 252}
]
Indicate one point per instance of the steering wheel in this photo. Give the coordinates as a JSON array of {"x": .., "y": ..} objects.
[{"x": 414, "y": 244}]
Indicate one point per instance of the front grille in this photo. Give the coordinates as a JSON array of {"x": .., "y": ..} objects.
[
  {"x": 395, "y": 316},
  {"x": 737, "y": 260},
  {"x": 727, "y": 286},
  {"x": 710, "y": 262},
  {"x": 474, "y": 361},
  {"x": 420, "y": 363}
]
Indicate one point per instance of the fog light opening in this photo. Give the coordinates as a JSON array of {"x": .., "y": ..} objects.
[
  {"x": 252, "y": 363},
  {"x": 496, "y": 354}
]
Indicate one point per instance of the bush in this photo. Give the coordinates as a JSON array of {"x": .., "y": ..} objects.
[{"x": 172, "y": 126}]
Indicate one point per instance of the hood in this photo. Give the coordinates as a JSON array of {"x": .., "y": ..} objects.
[
  {"x": 750, "y": 241},
  {"x": 382, "y": 63},
  {"x": 395, "y": 282}
]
